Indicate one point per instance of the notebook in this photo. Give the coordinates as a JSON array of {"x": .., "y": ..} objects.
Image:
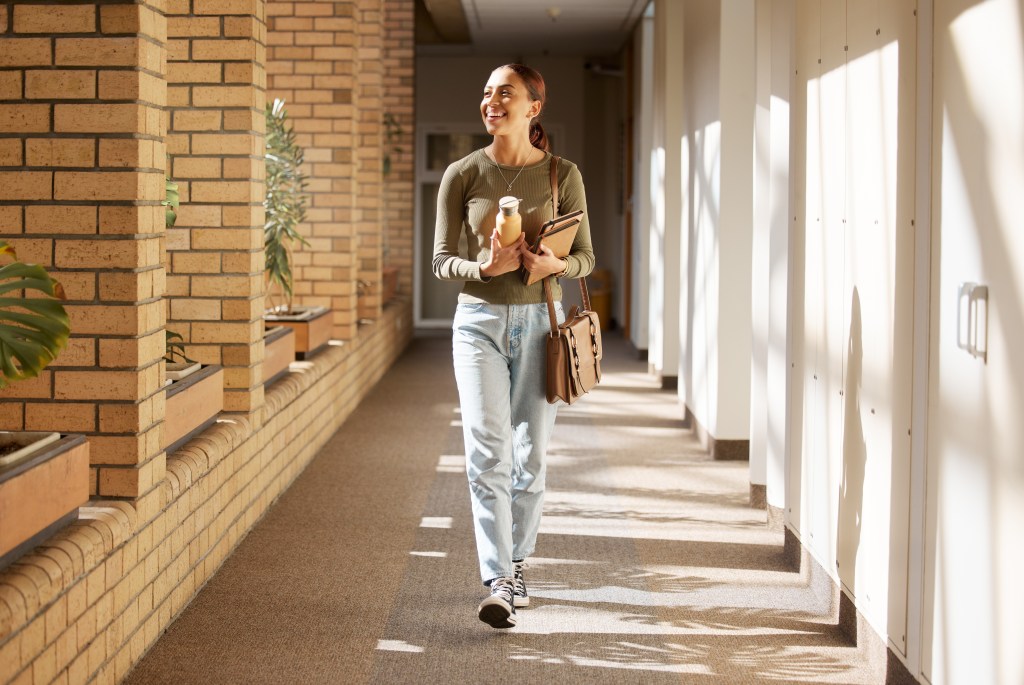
[{"x": 558, "y": 235}]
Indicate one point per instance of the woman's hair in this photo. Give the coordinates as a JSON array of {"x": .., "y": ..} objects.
[{"x": 538, "y": 91}]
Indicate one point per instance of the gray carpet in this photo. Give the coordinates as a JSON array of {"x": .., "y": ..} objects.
[{"x": 650, "y": 566}]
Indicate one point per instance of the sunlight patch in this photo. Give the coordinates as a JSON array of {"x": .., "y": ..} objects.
[
  {"x": 451, "y": 463},
  {"x": 440, "y": 555},
  {"x": 436, "y": 522},
  {"x": 397, "y": 646}
]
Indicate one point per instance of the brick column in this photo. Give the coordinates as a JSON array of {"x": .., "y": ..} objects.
[
  {"x": 369, "y": 181},
  {"x": 325, "y": 60},
  {"x": 81, "y": 159},
  {"x": 216, "y": 95},
  {"x": 397, "y": 98}
]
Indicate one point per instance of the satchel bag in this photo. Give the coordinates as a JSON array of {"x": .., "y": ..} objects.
[{"x": 574, "y": 349}]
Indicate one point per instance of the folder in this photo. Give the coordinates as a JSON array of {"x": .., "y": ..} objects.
[{"x": 558, "y": 235}]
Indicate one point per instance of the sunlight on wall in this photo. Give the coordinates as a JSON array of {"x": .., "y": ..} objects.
[
  {"x": 656, "y": 286},
  {"x": 977, "y": 498},
  {"x": 858, "y": 288}
]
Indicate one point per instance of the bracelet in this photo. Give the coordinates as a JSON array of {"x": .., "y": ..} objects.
[{"x": 565, "y": 270}]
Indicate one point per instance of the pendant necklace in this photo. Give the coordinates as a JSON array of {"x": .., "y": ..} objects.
[{"x": 509, "y": 183}]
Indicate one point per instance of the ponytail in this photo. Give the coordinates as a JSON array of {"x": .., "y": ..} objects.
[{"x": 538, "y": 137}]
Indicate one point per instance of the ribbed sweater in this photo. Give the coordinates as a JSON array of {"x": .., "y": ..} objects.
[{"x": 467, "y": 204}]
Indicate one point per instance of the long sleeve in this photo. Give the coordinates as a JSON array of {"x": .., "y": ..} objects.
[
  {"x": 572, "y": 197},
  {"x": 447, "y": 264},
  {"x": 467, "y": 203}
]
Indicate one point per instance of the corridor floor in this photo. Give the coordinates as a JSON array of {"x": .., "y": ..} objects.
[{"x": 650, "y": 567}]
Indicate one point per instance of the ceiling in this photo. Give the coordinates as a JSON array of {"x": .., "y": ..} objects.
[{"x": 579, "y": 27}]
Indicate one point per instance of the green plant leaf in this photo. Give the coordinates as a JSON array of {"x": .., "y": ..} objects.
[
  {"x": 171, "y": 201},
  {"x": 285, "y": 201},
  {"x": 33, "y": 330}
]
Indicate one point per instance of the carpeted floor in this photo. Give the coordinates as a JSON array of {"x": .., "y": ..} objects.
[{"x": 650, "y": 567}]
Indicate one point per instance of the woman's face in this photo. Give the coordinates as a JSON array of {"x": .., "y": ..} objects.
[{"x": 506, "y": 107}]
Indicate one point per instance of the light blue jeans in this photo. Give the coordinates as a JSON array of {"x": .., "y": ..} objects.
[{"x": 499, "y": 356}]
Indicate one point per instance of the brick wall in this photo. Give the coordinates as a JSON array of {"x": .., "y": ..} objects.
[
  {"x": 97, "y": 100},
  {"x": 88, "y": 604},
  {"x": 327, "y": 60},
  {"x": 81, "y": 179},
  {"x": 397, "y": 97},
  {"x": 215, "y": 96}
]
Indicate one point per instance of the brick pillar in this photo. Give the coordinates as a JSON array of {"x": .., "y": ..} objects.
[
  {"x": 325, "y": 60},
  {"x": 216, "y": 95},
  {"x": 81, "y": 159},
  {"x": 398, "y": 96},
  {"x": 369, "y": 181}
]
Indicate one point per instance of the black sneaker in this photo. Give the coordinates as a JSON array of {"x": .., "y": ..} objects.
[
  {"x": 498, "y": 610},
  {"x": 519, "y": 596}
]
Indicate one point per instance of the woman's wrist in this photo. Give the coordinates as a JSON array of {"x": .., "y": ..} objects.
[{"x": 564, "y": 270}]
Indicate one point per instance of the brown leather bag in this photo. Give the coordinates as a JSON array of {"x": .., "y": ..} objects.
[{"x": 574, "y": 349}]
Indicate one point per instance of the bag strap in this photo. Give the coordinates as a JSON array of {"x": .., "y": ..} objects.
[{"x": 547, "y": 286}]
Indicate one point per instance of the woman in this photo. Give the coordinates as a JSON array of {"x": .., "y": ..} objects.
[{"x": 500, "y": 324}]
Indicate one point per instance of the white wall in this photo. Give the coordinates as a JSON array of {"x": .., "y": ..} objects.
[
  {"x": 735, "y": 231},
  {"x": 974, "y": 610},
  {"x": 698, "y": 377},
  {"x": 643, "y": 129},
  {"x": 666, "y": 191},
  {"x": 717, "y": 168},
  {"x": 770, "y": 250},
  {"x": 854, "y": 119}
]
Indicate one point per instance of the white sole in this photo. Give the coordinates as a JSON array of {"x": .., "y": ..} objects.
[
  {"x": 520, "y": 602},
  {"x": 496, "y": 613}
]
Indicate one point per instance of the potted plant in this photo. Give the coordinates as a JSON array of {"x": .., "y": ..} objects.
[
  {"x": 177, "y": 363},
  {"x": 285, "y": 205},
  {"x": 194, "y": 397},
  {"x": 44, "y": 477}
]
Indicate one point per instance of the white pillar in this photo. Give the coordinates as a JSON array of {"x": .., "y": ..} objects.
[
  {"x": 735, "y": 230},
  {"x": 666, "y": 189}
]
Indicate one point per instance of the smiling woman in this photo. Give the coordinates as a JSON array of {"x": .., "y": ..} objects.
[{"x": 501, "y": 324}]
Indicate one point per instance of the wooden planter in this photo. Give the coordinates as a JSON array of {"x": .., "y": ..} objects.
[
  {"x": 278, "y": 352},
  {"x": 41, "y": 494},
  {"x": 389, "y": 284},
  {"x": 192, "y": 404},
  {"x": 312, "y": 326}
]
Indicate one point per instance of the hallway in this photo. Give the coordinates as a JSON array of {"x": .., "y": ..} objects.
[{"x": 650, "y": 568}]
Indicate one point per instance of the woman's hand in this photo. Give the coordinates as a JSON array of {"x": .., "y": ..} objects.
[
  {"x": 543, "y": 264},
  {"x": 503, "y": 259}
]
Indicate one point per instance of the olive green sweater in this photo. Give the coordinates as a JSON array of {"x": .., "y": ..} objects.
[{"x": 467, "y": 204}]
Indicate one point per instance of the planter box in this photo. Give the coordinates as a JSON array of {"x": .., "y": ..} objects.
[
  {"x": 278, "y": 352},
  {"x": 41, "y": 494},
  {"x": 312, "y": 326},
  {"x": 16, "y": 445},
  {"x": 389, "y": 284},
  {"x": 193, "y": 404},
  {"x": 176, "y": 371}
]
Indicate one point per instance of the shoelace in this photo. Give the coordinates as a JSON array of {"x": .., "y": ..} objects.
[
  {"x": 519, "y": 583},
  {"x": 504, "y": 587}
]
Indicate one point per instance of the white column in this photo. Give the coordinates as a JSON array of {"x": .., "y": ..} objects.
[
  {"x": 783, "y": 17},
  {"x": 666, "y": 189},
  {"x": 735, "y": 232}
]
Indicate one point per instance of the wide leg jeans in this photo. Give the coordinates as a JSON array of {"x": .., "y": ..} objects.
[{"x": 499, "y": 359}]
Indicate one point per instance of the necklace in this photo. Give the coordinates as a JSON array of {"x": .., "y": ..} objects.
[{"x": 509, "y": 183}]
